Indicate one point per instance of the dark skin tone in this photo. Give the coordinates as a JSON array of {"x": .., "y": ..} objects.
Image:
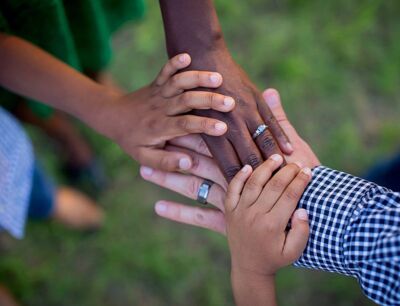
[{"x": 192, "y": 26}]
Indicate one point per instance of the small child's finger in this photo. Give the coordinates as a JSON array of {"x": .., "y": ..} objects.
[
  {"x": 297, "y": 237},
  {"x": 190, "y": 124},
  {"x": 199, "y": 100},
  {"x": 276, "y": 185},
  {"x": 176, "y": 63},
  {"x": 287, "y": 203},
  {"x": 259, "y": 178},
  {"x": 190, "y": 80},
  {"x": 163, "y": 160},
  {"x": 235, "y": 188}
]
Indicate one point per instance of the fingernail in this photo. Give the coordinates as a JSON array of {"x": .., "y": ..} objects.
[
  {"x": 184, "y": 163},
  {"x": 215, "y": 78},
  {"x": 246, "y": 169},
  {"x": 161, "y": 208},
  {"x": 272, "y": 100},
  {"x": 183, "y": 58},
  {"x": 228, "y": 101},
  {"x": 276, "y": 157},
  {"x": 299, "y": 164},
  {"x": 289, "y": 147},
  {"x": 306, "y": 171},
  {"x": 220, "y": 126},
  {"x": 146, "y": 171},
  {"x": 302, "y": 214}
]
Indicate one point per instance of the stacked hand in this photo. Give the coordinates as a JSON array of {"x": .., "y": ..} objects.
[
  {"x": 258, "y": 208},
  {"x": 204, "y": 167},
  {"x": 158, "y": 113},
  {"x": 238, "y": 147}
]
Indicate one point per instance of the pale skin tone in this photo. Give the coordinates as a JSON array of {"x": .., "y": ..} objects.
[
  {"x": 205, "y": 167},
  {"x": 258, "y": 207},
  {"x": 140, "y": 122},
  {"x": 257, "y": 235}
]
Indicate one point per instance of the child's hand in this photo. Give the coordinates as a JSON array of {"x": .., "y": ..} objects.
[
  {"x": 258, "y": 208},
  {"x": 144, "y": 120}
]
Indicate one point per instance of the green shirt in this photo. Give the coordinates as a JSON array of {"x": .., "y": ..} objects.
[{"x": 77, "y": 32}]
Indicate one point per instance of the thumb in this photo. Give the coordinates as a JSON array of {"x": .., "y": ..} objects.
[
  {"x": 273, "y": 99},
  {"x": 297, "y": 236}
]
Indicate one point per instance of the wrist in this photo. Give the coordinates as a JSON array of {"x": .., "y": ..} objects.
[
  {"x": 240, "y": 275},
  {"x": 97, "y": 111},
  {"x": 250, "y": 288}
]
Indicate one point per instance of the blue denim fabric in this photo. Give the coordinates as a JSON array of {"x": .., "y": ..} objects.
[{"x": 41, "y": 202}]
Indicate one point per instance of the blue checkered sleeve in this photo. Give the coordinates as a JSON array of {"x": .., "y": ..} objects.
[{"x": 354, "y": 230}]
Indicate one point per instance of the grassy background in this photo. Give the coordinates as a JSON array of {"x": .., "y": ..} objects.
[{"x": 337, "y": 66}]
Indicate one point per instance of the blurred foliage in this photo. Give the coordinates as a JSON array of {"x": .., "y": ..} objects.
[{"x": 337, "y": 66}]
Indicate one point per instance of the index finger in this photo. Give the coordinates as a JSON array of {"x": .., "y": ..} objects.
[
  {"x": 283, "y": 209},
  {"x": 176, "y": 63}
]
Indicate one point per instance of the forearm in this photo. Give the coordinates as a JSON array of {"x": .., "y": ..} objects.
[
  {"x": 192, "y": 26},
  {"x": 253, "y": 289},
  {"x": 31, "y": 72}
]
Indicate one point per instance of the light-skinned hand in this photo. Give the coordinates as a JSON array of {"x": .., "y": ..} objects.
[{"x": 204, "y": 167}]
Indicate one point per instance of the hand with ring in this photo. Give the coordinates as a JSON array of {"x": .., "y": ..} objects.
[{"x": 204, "y": 167}]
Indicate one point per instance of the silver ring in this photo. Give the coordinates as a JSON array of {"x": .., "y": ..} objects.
[
  {"x": 260, "y": 129},
  {"x": 204, "y": 191}
]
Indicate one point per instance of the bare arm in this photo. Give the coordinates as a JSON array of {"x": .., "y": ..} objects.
[
  {"x": 27, "y": 70},
  {"x": 192, "y": 26},
  {"x": 253, "y": 289},
  {"x": 129, "y": 120}
]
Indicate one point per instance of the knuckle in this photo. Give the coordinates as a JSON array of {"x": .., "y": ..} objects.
[
  {"x": 183, "y": 123},
  {"x": 192, "y": 187},
  {"x": 198, "y": 217},
  {"x": 277, "y": 184},
  {"x": 174, "y": 81},
  {"x": 303, "y": 177},
  {"x": 166, "y": 163},
  {"x": 186, "y": 98},
  {"x": 212, "y": 100},
  {"x": 231, "y": 171},
  {"x": 195, "y": 162},
  {"x": 292, "y": 194},
  {"x": 294, "y": 167},
  {"x": 252, "y": 183},
  {"x": 197, "y": 76},
  {"x": 253, "y": 160},
  {"x": 267, "y": 142},
  {"x": 204, "y": 124}
]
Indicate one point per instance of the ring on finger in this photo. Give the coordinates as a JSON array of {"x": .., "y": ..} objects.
[
  {"x": 204, "y": 191},
  {"x": 260, "y": 129}
]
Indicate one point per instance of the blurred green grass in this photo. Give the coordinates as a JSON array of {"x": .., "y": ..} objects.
[{"x": 337, "y": 66}]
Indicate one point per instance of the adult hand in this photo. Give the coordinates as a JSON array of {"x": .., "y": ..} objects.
[
  {"x": 143, "y": 121},
  {"x": 204, "y": 167},
  {"x": 192, "y": 26},
  {"x": 237, "y": 147}
]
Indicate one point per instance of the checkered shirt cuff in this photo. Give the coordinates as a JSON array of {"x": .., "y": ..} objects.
[{"x": 354, "y": 230}]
